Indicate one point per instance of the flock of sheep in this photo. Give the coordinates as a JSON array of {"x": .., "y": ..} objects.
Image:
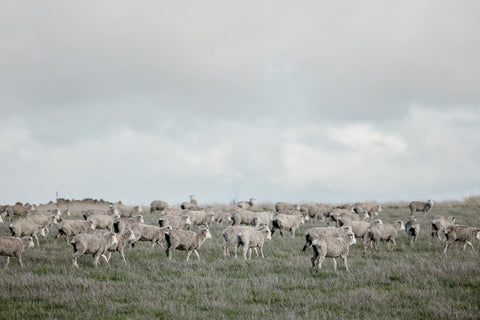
[{"x": 102, "y": 232}]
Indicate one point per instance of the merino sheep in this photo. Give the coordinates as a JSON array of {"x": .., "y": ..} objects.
[
  {"x": 241, "y": 216},
  {"x": 262, "y": 218},
  {"x": 26, "y": 227},
  {"x": 316, "y": 212},
  {"x": 103, "y": 221},
  {"x": 158, "y": 205},
  {"x": 412, "y": 229},
  {"x": 382, "y": 232},
  {"x": 372, "y": 208},
  {"x": 112, "y": 211},
  {"x": 200, "y": 218},
  {"x": 345, "y": 217},
  {"x": 126, "y": 211},
  {"x": 43, "y": 221},
  {"x": 424, "y": 207},
  {"x": 287, "y": 222},
  {"x": 335, "y": 214},
  {"x": 186, "y": 240},
  {"x": 252, "y": 238},
  {"x": 246, "y": 205},
  {"x": 190, "y": 205},
  {"x": 175, "y": 222},
  {"x": 123, "y": 224},
  {"x": 10, "y": 246},
  {"x": 229, "y": 234},
  {"x": 172, "y": 211},
  {"x": 146, "y": 232},
  {"x": 281, "y": 206},
  {"x": 221, "y": 216},
  {"x": 18, "y": 210},
  {"x": 332, "y": 248},
  {"x": 322, "y": 232},
  {"x": 123, "y": 238},
  {"x": 461, "y": 233},
  {"x": 93, "y": 244},
  {"x": 359, "y": 228},
  {"x": 440, "y": 224},
  {"x": 73, "y": 227}
]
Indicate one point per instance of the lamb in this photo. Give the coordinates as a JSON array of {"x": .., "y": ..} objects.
[
  {"x": 93, "y": 244},
  {"x": 372, "y": 208},
  {"x": 252, "y": 238},
  {"x": 440, "y": 224},
  {"x": 461, "y": 233},
  {"x": 359, "y": 228},
  {"x": 287, "y": 222},
  {"x": 158, "y": 205},
  {"x": 73, "y": 227},
  {"x": 26, "y": 227},
  {"x": 345, "y": 217},
  {"x": 332, "y": 248},
  {"x": 229, "y": 234},
  {"x": 200, "y": 218},
  {"x": 123, "y": 238},
  {"x": 10, "y": 246},
  {"x": 241, "y": 216},
  {"x": 420, "y": 206},
  {"x": 123, "y": 224},
  {"x": 382, "y": 232},
  {"x": 246, "y": 205},
  {"x": 175, "y": 222},
  {"x": 262, "y": 218},
  {"x": 322, "y": 232},
  {"x": 186, "y": 240},
  {"x": 412, "y": 229},
  {"x": 280, "y": 206},
  {"x": 145, "y": 232},
  {"x": 103, "y": 221}
]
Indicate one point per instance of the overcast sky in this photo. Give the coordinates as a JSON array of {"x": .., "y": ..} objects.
[{"x": 326, "y": 101}]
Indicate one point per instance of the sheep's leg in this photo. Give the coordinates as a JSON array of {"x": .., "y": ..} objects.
[
  {"x": 169, "y": 253},
  {"x": 256, "y": 251},
  {"x": 245, "y": 249},
  {"x": 109, "y": 256},
  {"x": 346, "y": 263},
  {"x": 36, "y": 238},
  {"x": 293, "y": 233},
  {"x": 188, "y": 254},
  {"x": 225, "y": 250},
  {"x": 261, "y": 251},
  {"x": 334, "y": 264},
  {"x": 320, "y": 261},
  {"x": 235, "y": 251},
  {"x": 96, "y": 257},
  {"x": 58, "y": 236},
  {"x": 75, "y": 264},
  {"x": 196, "y": 253},
  {"x": 6, "y": 264},
  {"x": 249, "y": 253},
  {"x": 470, "y": 244},
  {"x": 105, "y": 258}
]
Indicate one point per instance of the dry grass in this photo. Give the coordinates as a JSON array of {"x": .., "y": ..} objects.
[{"x": 407, "y": 283}]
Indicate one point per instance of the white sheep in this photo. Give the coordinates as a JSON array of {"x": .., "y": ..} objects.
[
  {"x": 186, "y": 240},
  {"x": 464, "y": 234},
  {"x": 241, "y": 216},
  {"x": 252, "y": 238},
  {"x": 200, "y": 218},
  {"x": 103, "y": 221},
  {"x": 359, "y": 228},
  {"x": 145, "y": 232},
  {"x": 322, "y": 232},
  {"x": 382, "y": 232},
  {"x": 262, "y": 218},
  {"x": 424, "y": 207},
  {"x": 372, "y": 208},
  {"x": 123, "y": 224},
  {"x": 70, "y": 228},
  {"x": 176, "y": 222},
  {"x": 412, "y": 229},
  {"x": 10, "y": 246},
  {"x": 26, "y": 227},
  {"x": 332, "y": 248},
  {"x": 93, "y": 244},
  {"x": 439, "y": 224},
  {"x": 345, "y": 217},
  {"x": 287, "y": 222},
  {"x": 158, "y": 205},
  {"x": 281, "y": 206},
  {"x": 246, "y": 205},
  {"x": 123, "y": 239},
  {"x": 229, "y": 234}
]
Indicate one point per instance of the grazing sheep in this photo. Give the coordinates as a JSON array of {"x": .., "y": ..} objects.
[
  {"x": 103, "y": 221},
  {"x": 246, "y": 205},
  {"x": 229, "y": 234},
  {"x": 322, "y": 232},
  {"x": 424, "y": 207},
  {"x": 146, "y": 232},
  {"x": 332, "y": 248},
  {"x": 73, "y": 227},
  {"x": 461, "y": 233},
  {"x": 262, "y": 218},
  {"x": 10, "y": 246},
  {"x": 334, "y": 215},
  {"x": 287, "y": 222},
  {"x": 186, "y": 240},
  {"x": 412, "y": 229},
  {"x": 382, "y": 232},
  {"x": 26, "y": 227},
  {"x": 158, "y": 205},
  {"x": 241, "y": 216},
  {"x": 123, "y": 224},
  {"x": 359, "y": 228},
  {"x": 372, "y": 208},
  {"x": 200, "y": 218},
  {"x": 175, "y": 222},
  {"x": 345, "y": 217},
  {"x": 93, "y": 244},
  {"x": 281, "y": 206},
  {"x": 440, "y": 224},
  {"x": 252, "y": 238}
]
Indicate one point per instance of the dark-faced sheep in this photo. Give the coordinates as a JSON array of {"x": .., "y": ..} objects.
[
  {"x": 439, "y": 224},
  {"x": 93, "y": 244},
  {"x": 10, "y": 246},
  {"x": 332, "y": 248},
  {"x": 419, "y": 206},
  {"x": 252, "y": 238},
  {"x": 322, "y": 232},
  {"x": 186, "y": 240},
  {"x": 284, "y": 222},
  {"x": 335, "y": 214},
  {"x": 412, "y": 229},
  {"x": 464, "y": 234},
  {"x": 382, "y": 232}
]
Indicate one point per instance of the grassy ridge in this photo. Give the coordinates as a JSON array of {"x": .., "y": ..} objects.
[{"x": 408, "y": 283}]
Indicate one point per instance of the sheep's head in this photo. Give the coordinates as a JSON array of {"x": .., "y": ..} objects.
[
  {"x": 111, "y": 239},
  {"x": 347, "y": 229},
  {"x": 206, "y": 233},
  {"x": 350, "y": 238},
  {"x": 129, "y": 234},
  {"x": 30, "y": 243},
  {"x": 92, "y": 224},
  {"x": 430, "y": 202},
  {"x": 267, "y": 232}
]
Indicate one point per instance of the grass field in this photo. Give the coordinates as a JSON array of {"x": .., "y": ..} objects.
[{"x": 407, "y": 283}]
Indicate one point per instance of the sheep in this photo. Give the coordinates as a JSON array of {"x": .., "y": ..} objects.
[
  {"x": 11, "y": 246},
  {"x": 1, "y": 218},
  {"x": 246, "y": 205},
  {"x": 372, "y": 208},
  {"x": 332, "y": 248},
  {"x": 420, "y": 206},
  {"x": 322, "y": 232},
  {"x": 382, "y": 232},
  {"x": 26, "y": 227},
  {"x": 359, "y": 228},
  {"x": 43, "y": 221},
  {"x": 186, "y": 240},
  {"x": 123, "y": 238},
  {"x": 412, "y": 229},
  {"x": 93, "y": 244},
  {"x": 440, "y": 224},
  {"x": 175, "y": 222},
  {"x": 189, "y": 205},
  {"x": 146, "y": 232},
  {"x": 252, "y": 238},
  {"x": 112, "y": 211},
  {"x": 461, "y": 233},
  {"x": 221, "y": 216},
  {"x": 335, "y": 213},
  {"x": 315, "y": 211},
  {"x": 287, "y": 222},
  {"x": 241, "y": 216},
  {"x": 103, "y": 221},
  {"x": 18, "y": 210},
  {"x": 280, "y": 206},
  {"x": 262, "y": 218},
  {"x": 126, "y": 211},
  {"x": 122, "y": 224},
  {"x": 172, "y": 211},
  {"x": 200, "y": 218},
  {"x": 158, "y": 205},
  {"x": 344, "y": 217},
  {"x": 74, "y": 227},
  {"x": 229, "y": 234}
]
